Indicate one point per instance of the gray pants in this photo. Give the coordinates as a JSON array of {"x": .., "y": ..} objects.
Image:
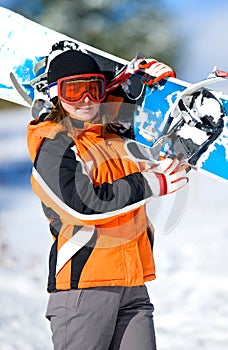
[{"x": 103, "y": 318}]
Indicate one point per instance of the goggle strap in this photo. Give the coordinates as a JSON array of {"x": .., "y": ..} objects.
[{"x": 53, "y": 90}]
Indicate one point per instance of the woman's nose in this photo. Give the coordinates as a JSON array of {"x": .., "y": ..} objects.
[{"x": 86, "y": 99}]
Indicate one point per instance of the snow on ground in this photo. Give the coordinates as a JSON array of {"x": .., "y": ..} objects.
[
  {"x": 191, "y": 291},
  {"x": 24, "y": 244}
]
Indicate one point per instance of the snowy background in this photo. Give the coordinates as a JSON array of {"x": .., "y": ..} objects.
[{"x": 191, "y": 291}]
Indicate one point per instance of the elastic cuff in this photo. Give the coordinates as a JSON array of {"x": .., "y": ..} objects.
[{"x": 156, "y": 183}]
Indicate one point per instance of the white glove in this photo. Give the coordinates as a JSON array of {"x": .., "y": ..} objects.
[
  {"x": 168, "y": 176},
  {"x": 154, "y": 71}
]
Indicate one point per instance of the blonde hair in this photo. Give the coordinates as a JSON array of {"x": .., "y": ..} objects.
[{"x": 59, "y": 115}]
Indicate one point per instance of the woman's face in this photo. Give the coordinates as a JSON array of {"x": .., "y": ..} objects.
[{"x": 84, "y": 110}]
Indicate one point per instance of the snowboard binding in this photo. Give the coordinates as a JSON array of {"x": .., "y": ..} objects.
[{"x": 201, "y": 121}]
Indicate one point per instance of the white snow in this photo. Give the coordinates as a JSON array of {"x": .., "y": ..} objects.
[{"x": 190, "y": 293}]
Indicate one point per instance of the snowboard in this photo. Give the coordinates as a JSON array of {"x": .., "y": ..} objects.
[{"x": 161, "y": 114}]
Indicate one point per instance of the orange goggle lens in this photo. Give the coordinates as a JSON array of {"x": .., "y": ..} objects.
[{"x": 73, "y": 89}]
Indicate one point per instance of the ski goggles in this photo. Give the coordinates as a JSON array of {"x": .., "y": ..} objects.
[{"x": 75, "y": 88}]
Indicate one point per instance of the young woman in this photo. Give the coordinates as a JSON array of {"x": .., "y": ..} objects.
[{"x": 93, "y": 191}]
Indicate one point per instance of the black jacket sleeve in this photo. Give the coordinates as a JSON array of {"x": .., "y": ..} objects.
[{"x": 66, "y": 177}]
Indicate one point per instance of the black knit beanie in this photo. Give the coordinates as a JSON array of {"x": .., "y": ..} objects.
[{"x": 71, "y": 62}]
